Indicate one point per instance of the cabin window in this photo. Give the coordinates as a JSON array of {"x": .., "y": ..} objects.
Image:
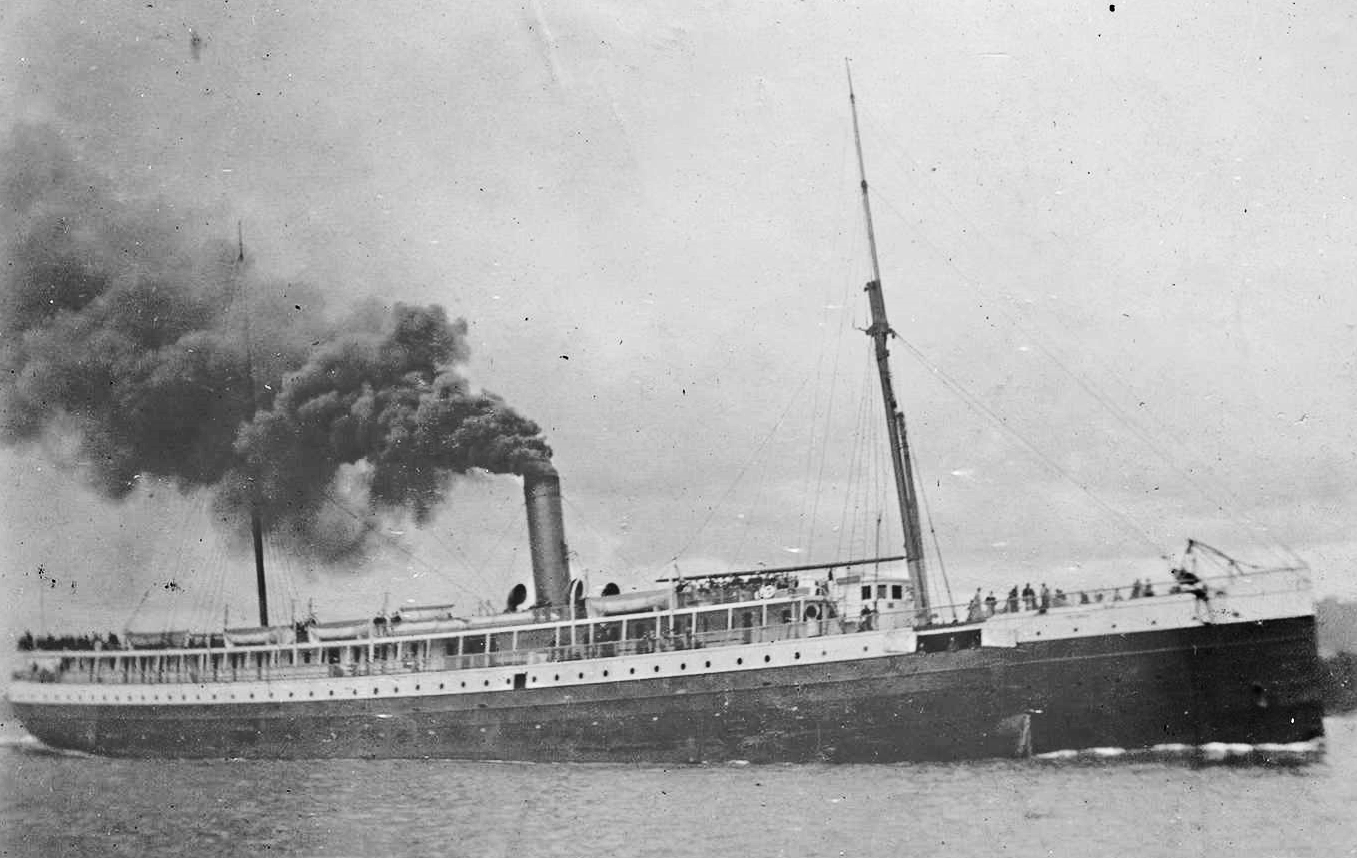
[
  {"x": 897, "y": 591},
  {"x": 537, "y": 639},
  {"x": 473, "y": 645},
  {"x": 450, "y": 646},
  {"x": 712, "y": 621},
  {"x": 949, "y": 641},
  {"x": 640, "y": 628},
  {"x": 881, "y": 591},
  {"x": 866, "y": 591},
  {"x": 502, "y": 642}
]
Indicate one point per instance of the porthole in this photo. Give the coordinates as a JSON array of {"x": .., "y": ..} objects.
[
  {"x": 683, "y": 665},
  {"x": 416, "y": 687},
  {"x": 657, "y": 668},
  {"x": 633, "y": 671},
  {"x": 487, "y": 683},
  {"x": 534, "y": 679},
  {"x": 796, "y": 655},
  {"x": 767, "y": 658},
  {"x": 289, "y": 694},
  {"x": 707, "y": 664},
  {"x": 374, "y": 691},
  {"x": 355, "y": 692},
  {"x": 581, "y": 676},
  {"x": 1154, "y": 622},
  {"x": 464, "y": 684},
  {"x": 310, "y": 694},
  {"x": 332, "y": 692},
  {"x": 556, "y": 678},
  {"x": 605, "y": 673},
  {"x": 739, "y": 661},
  {"x": 864, "y": 649},
  {"x": 440, "y": 686}
]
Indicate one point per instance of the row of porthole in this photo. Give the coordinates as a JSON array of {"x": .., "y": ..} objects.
[{"x": 739, "y": 661}]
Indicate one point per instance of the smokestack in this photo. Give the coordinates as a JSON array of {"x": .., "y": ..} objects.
[{"x": 546, "y": 535}]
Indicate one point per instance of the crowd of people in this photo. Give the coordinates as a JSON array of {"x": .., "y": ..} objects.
[
  {"x": 28, "y": 643},
  {"x": 1029, "y": 599},
  {"x": 735, "y": 588}
]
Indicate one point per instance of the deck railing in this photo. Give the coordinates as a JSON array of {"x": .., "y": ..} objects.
[{"x": 596, "y": 638}]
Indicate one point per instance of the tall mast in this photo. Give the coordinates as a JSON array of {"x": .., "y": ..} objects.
[
  {"x": 901, "y": 461},
  {"x": 256, "y": 522}
]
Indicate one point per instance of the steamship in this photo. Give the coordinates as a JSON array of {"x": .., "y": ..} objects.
[{"x": 848, "y": 662}]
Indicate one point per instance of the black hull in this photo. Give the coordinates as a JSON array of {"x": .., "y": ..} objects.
[{"x": 1249, "y": 683}]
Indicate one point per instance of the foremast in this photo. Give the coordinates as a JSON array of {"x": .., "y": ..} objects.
[
  {"x": 252, "y": 408},
  {"x": 901, "y": 460}
]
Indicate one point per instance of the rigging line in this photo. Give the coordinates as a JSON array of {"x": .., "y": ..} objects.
[
  {"x": 808, "y": 522},
  {"x": 467, "y": 565},
  {"x": 829, "y": 416},
  {"x": 598, "y": 534},
  {"x": 827, "y": 302},
  {"x": 974, "y": 402},
  {"x": 847, "y": 527},
  {"x": 367, "y": 525},
  {"x": 186, "y": 533},
  {"x": 842, "y": 530},
  {"x": 174, "y": 573},
  {"x": 937, "y": 546},
  {"x": 479, "y": 569},
  {"x": 740, "y": 475},
  {"x": 144, "y": 596},
  {"x": 1187, "y": 474},
  {"x": 918, "y": 354}
]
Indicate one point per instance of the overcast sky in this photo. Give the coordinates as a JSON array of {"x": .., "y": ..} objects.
[{"x": 1118, "y": 242}]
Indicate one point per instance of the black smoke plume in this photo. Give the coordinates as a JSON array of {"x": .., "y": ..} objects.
[{"x": 126, "y": 335}]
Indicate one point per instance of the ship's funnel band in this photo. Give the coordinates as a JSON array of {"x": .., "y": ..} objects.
[{"x": 546, "y": 536}]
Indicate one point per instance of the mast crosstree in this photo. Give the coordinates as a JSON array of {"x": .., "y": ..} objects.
[{"x": 901, "y": 461}]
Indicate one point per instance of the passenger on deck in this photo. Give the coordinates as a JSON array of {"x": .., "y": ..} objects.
[
  {"x": 1029, "y": 597},
  {"x": 1013, "y": 600},
  {"x": 975, "y": 611},
  {"x": 1083, "y": 597},
  {"x": 1148, "y": 590},
  {"x": 865, "y": 619},
  {"x": 1045, "y": 597},
  {"x": 991, "y": 604},
  {"x": 1135, "y": 589},
  {"x": 1188, "y": 582}
]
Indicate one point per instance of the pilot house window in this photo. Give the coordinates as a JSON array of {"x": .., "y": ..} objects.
[{"x": 866, "y": 591}]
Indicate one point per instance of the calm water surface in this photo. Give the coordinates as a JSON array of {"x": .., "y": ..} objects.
[{"x": 58, "y": 805}]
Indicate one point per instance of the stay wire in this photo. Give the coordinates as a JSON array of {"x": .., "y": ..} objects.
[
  {"x": 985, "y": 411},
  {"x": 711, "y": 512},
  {"x": 1187, "y": 474}
]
